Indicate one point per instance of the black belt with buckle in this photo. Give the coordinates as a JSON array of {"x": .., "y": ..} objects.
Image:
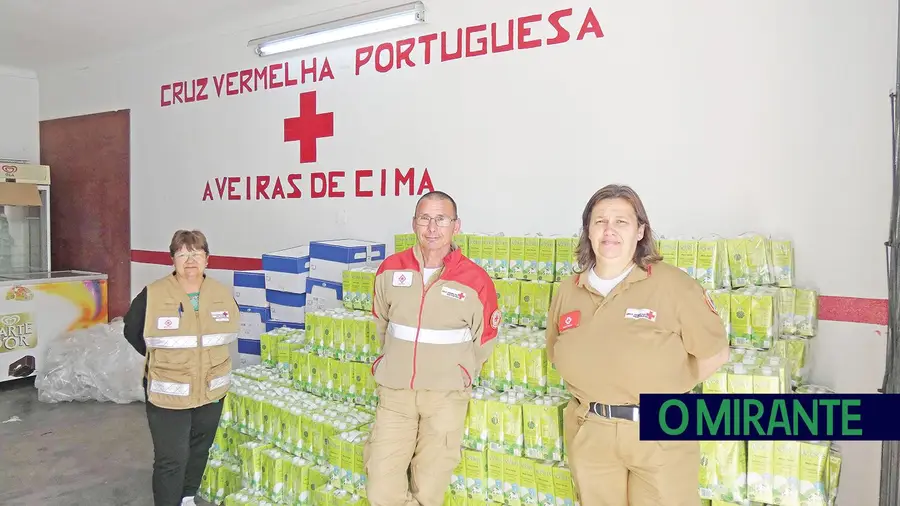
[{"x": 632, "y": 413}]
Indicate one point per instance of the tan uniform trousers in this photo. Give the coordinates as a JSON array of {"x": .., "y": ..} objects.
[
  {"x": 414, "y": 446},
  {"x": 611, "y": 466}
]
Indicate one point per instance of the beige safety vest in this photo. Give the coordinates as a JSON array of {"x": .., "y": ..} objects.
[{"x": 188, "y": 358}]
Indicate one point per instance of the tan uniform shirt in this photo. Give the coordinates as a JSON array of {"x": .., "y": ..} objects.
[{"x": 646, "y": 336}]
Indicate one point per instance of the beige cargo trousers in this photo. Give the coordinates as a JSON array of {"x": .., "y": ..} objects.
[
  {"x": 414, "y": 446},
  {"x": 611, "y": 466}
]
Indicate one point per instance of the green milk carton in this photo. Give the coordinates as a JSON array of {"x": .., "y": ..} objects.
[
  {"x": 476, "y": 253},
  {"x": 738, "y": 262},
  {"x": 565, "y": 256},
  {"x": 347, "y": 285},
  {"x": 546, "y": 266},
  {"x": 687, "y": 256},
  {"x": 783, "y": 263},
  {"x": 462, "y": 242},
  {"x": 488, "y": 248},
  {"x": 495, "y": 463},
  {"x": 741, "y": 328},
  {"x": 668, "y": 248},
  {"x": 708, "y": 273},
  {"x": 540, "y": 292},
  {"x": 543, "y": 474},
  {"x": 532, "y": 257},
  {"x": 476, "y": 475},
  {"x": 501, "y": 257},
  {"x": 508, "y": 294},
  {"x": 517, "y": 258}
]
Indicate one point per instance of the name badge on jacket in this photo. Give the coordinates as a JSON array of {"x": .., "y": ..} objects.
[
  {"x": 569, "y": 320},
  {"x": 167, "y": 323},
  {"x": 403, "y": 278},
  {"x": 219, "y": 316}
]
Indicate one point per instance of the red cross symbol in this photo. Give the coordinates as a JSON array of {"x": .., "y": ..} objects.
[
  {"x": 225, "y": 314},
  {"x": 651, "y": 315},
  {"x": 308, "y": 127}
]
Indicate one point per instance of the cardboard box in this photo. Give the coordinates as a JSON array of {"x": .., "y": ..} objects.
[
  {"x": 287, "y": 307},
  {"x": 250, "y": 288},
  {"x": 329, "y": 259},
  {"x": 286, "y": 270}
]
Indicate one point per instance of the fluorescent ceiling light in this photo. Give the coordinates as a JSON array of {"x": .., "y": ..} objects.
[{"x": 357, "y": 26}]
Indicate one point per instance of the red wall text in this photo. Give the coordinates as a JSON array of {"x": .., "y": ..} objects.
[{"x": 361, "y": 183}]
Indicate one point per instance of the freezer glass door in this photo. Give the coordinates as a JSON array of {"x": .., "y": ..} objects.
[{"x": 25, "y": 236}]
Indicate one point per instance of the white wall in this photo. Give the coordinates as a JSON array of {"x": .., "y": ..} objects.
[
  {"x": 19, "y": 137},
  {"x": 726, "y": 117}
]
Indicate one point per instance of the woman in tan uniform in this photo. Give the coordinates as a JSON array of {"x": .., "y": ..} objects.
[{"x": 629, "y": 324}]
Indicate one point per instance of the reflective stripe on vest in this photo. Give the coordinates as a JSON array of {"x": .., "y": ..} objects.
[
  {"x": 218, "y": 339},
  {"x": 430, "y": 336},
  {"x": 175, "y": 342},
  {"x": 220, "y": 382},
  {"x": 170, "y": 388}
]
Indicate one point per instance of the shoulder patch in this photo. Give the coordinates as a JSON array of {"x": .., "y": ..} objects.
[
  {"x": 496, "y": 318},
  {"x": 710, "y": 303}
]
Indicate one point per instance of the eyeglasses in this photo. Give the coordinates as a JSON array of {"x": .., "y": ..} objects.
[
  {"x": 190, "y": 255},
  {"x": 441, "y": 221}
]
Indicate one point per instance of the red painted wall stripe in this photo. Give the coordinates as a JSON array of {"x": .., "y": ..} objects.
[
  {"x": 853, "y": 309},
  {"x": 215, "y": 261},
  {"x": 831, "y": 308}
]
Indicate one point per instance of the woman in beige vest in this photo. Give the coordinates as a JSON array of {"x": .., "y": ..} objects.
[{"x": 183, "y": 325}]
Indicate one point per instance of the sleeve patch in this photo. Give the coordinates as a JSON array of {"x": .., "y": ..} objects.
[
  {"x": 710, "y": 303},
  {"x": 496, "y": 318}
]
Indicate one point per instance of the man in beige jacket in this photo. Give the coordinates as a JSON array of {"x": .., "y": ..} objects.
[{"x": 437, "y": 318}]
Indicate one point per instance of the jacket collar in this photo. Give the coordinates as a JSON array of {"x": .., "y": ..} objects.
[
  {"x": 174, "y": 278},
  {"x": 637, "y": 274},
  {"x": 450, "y": 260}
]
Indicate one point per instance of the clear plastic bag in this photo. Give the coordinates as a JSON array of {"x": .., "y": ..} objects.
[{"x": 96, "y": 363}]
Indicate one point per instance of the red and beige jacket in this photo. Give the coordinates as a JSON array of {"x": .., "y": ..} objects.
[{"x": 435, "y": 334}]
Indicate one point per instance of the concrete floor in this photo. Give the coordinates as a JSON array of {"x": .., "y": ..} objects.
[{"x": 72, "y": 454}]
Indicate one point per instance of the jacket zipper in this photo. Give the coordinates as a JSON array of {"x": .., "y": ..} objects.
[
  {"x": 412, "y": 379},
  {"x": 200, "y": 352}
]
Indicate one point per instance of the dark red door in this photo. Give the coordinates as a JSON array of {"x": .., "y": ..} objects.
[{"x": 90, "y": 212}]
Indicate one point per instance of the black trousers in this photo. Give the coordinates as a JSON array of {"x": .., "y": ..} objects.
[{"x": 181, "y": 442}]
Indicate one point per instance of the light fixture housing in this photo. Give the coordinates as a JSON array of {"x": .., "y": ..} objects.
[{"x": 357, "y": 26}]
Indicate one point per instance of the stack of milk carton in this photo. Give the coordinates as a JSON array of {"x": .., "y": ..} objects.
[{"x": 327, "y": 262}]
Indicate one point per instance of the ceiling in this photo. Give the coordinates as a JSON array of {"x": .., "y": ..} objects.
[{"x": 36, "y": 34}]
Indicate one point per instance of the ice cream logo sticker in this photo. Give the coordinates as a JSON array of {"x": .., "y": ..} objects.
[
  {"x": 9, "y": 170},
  {"x": 20, "y": 293},
  {"x": 17, "y": 332}
]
